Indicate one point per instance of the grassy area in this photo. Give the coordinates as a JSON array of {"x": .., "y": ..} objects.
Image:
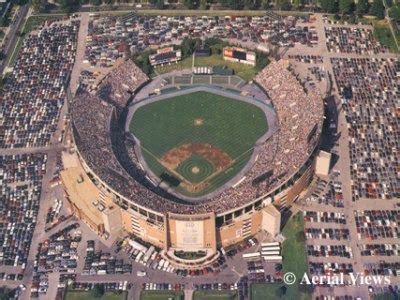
[
  {"x": 386, "y": 296},
  {"x": 382, "y": 32},
  {"x": 161, "y": 295},
  {"x": 214, "y": 295},
  {"x": 199, "y": 118},
  {"x": 246, "y": 72},
  {"x": 31, "y": 24},
  {"x": 79, "y": 295},
  {"x": 385, "y": 37},
  {"x": 294, "y": 260}
]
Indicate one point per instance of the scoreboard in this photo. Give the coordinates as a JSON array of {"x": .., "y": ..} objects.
[{"x": 239, "y": 55}]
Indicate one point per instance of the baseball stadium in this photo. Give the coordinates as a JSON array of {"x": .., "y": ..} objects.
[{"x": 190, "y": 162}]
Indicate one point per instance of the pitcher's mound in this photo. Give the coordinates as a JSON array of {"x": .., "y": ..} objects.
[{"x": 195, "y": 170}]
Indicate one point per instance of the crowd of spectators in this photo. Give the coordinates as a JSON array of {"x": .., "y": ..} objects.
[
  {"x": 121, "y": 82},
  {"x": 20, "y": 189},
  {"x": 300, "y": 115},
  {"x": 300, "y": 125},
  {"x": 34, "y": 91},
  {"x": 370, "y": 96},
  {"x": 110, "y": 38},
  {"x": 352, "y": 40}
]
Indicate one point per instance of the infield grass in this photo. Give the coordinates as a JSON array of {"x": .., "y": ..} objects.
[
  {"x": 229, "y": 125},
  {"x": 195, "y": 169}
]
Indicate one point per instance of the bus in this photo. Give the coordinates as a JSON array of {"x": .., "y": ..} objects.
[
  {"x": 272, "y": 244},
  {"x": 253, "y": 255},
  {"x": 270, "y": 253},
  {"x": 273, "y": 258}
]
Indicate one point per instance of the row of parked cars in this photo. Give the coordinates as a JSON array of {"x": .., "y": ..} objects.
[
  {"x": 330, "y": 268},
  {"x": 327, "y": 233},
  {"x": 329, "y": 251},
  {"x": 58, "y": 253},
  {"x": 380, "y": 249},
  {"x": 151, "y": 286},
  {"x": 324, "y": 217},
  {"x": 20, "y": 191},
  {"x": 101, "y": 263}
]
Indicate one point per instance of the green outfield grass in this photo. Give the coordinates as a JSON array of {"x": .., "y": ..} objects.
[
  {"x": 228, "y": 125},
  {"x": 214, "y": 295},
  {"x": 244, "y": 71}
]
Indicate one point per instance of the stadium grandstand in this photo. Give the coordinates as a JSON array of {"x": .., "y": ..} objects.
[{"x": 281, "y": 168}]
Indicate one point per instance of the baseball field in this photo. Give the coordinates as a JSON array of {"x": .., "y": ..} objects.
[{"x": 197, "y": 142}]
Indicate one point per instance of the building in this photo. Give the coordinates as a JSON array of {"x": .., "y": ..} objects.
[
  {"x": 110, "y": 200},
  {"x": 165, "y": 56},
  {"x": 323, "y": 163}
]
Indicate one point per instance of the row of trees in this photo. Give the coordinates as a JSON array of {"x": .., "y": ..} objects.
[
  {"x": 346, "y": 7},
  {"x": 349, "y": 7}
]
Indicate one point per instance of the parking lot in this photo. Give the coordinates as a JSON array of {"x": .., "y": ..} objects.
[{"x": 351, "y": 217}]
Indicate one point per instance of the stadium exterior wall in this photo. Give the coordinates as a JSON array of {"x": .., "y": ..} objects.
[{"x": 221, "y": 230}]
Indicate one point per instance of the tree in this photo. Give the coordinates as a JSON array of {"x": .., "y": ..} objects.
[
  {"x": 109, "y": 2},
  {"x": 329, "y": 6},
  {"x": 203, "y": 4},
  {"x": 298, "y": 3},
  {"x": 69, "y": 6},
  {"x": 98, "y": 290},
  {"x": 362, "y": 7},
  {"x": 158, "y": 3},
  {"x": 394, "y": 13},
  {"x": 38, "y": 5},
  {"x": 191, "y": 4},
  {"x": 346, "y": 6},
  {"x": 251, "y": 4},
  {"x": 6, "y": 293},
  {"x": 281, "y": 291},
  {"x": 377, "y": 9},
  {"x": 189, "y": 45},
  {"x": 284, "y": 5},
  {"x": 233, "y": 4},
  {"x": 95, "y": 2}
]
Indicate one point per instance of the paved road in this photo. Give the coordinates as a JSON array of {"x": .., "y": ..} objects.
[{"x": 12, "y": 37}]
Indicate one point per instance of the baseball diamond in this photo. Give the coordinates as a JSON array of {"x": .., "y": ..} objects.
[{"x": 197, "y": 141}]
